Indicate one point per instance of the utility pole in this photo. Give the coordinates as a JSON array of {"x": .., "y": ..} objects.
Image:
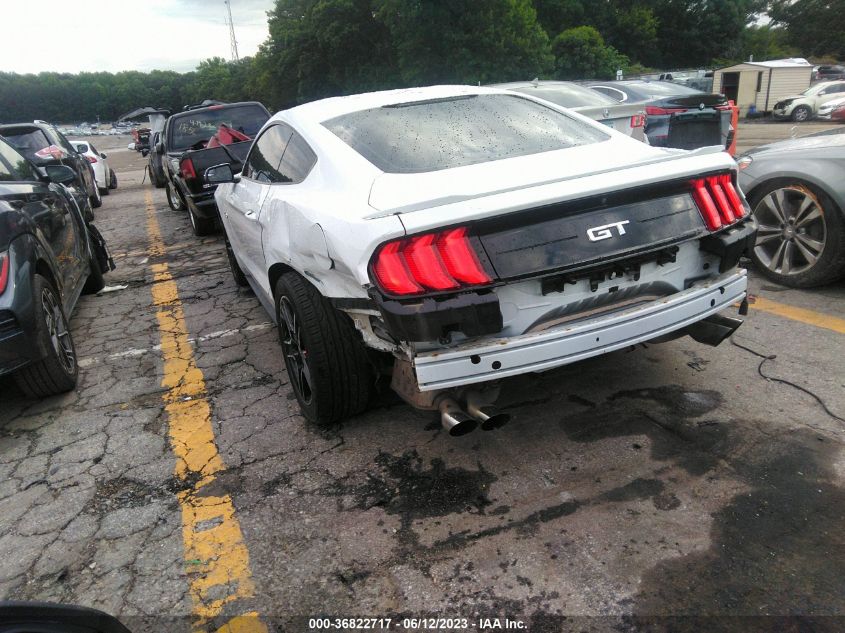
[{"x": 232, "y": 40}]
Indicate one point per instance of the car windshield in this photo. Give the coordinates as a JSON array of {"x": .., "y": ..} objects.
[
  {"x": 440, "y": 134},
  {"x": 194, "y": 129},
  {"x": 567, "y": 95},
  {"x": 814, "y": 90},
  {"x": 28, "y": 141}
]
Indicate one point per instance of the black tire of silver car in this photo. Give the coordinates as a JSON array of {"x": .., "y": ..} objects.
[
  {"x": 57, "y": 371},
  {"x": 201, "y": 226},
  {"x": 159, "y": 180},
  {"x": 95, "y": 281},
  {"x": 237, "y": 272},
  {"x": 174, "y": 200},
  {"x": 326, "y": 360},
  {"x": 801, "y": 234},
  {"x": 112, "y": 179},
  {"x": 801, "y": 113},
  {"x": 96, "y": 199}
]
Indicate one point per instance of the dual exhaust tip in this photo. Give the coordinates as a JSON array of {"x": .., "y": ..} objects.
[{"x": 458, "y": 421}]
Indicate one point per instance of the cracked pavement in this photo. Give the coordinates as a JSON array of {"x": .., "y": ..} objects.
[{"x": 666, "y": 480}]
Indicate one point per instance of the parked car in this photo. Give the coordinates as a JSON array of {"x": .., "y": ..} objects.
[
  {"x": 49, "y": 256},
  {"x": 44, "y": 145},
  {"x": 185, "y": 157},
  {"x": 796, "y": 189},
  {"x": 832, "y": 110},
  {"x": 804, "y": 106},
  {"x": 829, "y": 73},
  {"x": 103, "y": 174},
  {"x": 622, "y": 118},
  {"x": 469, "y": 234},
  {"x": 676, "y": 115},
  {"x": 156, "y": 118}
]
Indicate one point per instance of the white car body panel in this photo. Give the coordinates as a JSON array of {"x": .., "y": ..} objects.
[
  {"x": 328, "y": 226},
  {"x": 101, "y": 167}
]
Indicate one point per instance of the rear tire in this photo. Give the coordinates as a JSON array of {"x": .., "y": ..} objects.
[
  {"x": 201, "y": 226},
  {"x": 112, "y": 179},
  {"x": 57, "y": 372},
  {"x": 95, "y": 281},
  {"x": 326, "y": 360},
  {"x": 237, "y": 271},
  {"x": 96, "y": 199},
  {"x": 174, "y": 199}
]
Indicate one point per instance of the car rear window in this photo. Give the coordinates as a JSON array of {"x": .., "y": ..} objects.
[
  {"x": 191, "y": 130},
  {"x": 28, "y": 141},
  {"x": 81, "y": 148},
  {"x": 437, "y": 134}
]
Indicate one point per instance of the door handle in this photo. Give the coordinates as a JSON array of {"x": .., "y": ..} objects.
[{"x": 251, "y": 214}]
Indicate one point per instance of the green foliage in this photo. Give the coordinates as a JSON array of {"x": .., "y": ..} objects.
[
  {"x": 322, "y": 48},
  {"x": 581, "y": 53},
  {"x": 816, "y": 27},
  {"x": 465, "y": 41}
]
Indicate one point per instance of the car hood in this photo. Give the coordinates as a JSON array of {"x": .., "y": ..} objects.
[
  {"x": 601, "y": 162},
  {"x": 792, "y": 98},
  {"x": 805, "y": 143}
]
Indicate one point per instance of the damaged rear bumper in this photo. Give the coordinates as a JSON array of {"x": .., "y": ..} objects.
[{"x": 494, "y": 358}]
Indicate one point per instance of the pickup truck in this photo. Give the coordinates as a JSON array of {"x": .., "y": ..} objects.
[
  {"x": 453, "y": 236},
  {"x": 185, "y": 155}
]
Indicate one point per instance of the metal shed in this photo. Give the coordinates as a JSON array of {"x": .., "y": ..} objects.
[{"x": 762, "y": 84}]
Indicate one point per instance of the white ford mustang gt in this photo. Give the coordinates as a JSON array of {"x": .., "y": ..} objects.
[{"x": 451, "y": 236}]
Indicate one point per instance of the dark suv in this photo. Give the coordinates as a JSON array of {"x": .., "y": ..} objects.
[
  {"x": 827, "y": 73},
  {"x": 49, "y": 256},
  {"x": 44, "y": 145}
]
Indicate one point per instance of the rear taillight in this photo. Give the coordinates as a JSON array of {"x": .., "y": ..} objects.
[
  {"x": 655, "y": 111},
  {"x": 187, "y": 169},
  {"x": 638, "y": 120},
  {"x": 432, "y": 262},
  {"x": 91, "y": 159},
  {"x": 718, "y": 200},
  {"x": 4, "y": 272}
]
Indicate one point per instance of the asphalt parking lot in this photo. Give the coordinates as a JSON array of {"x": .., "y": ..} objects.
[{"x": 666, "y": 480}]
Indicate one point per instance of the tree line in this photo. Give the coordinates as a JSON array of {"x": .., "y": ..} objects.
[{"x": 321, "y": 48}]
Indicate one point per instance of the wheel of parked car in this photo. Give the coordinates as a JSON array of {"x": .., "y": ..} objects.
[
  {"x": 201, "y": 226},
  {"x": 801, "y": 113},
  {"x": 174, "y": 200},
  {"x": 801, "y": 235},
  {"x": 237, "y": 272},
  {"x": 57, "y": 371},
  {"x": 325, "y": 357},
  {"x": 95, "y": 281},
  {"x": 112, "y": 179},
  {"x": 96, "y": 198}
]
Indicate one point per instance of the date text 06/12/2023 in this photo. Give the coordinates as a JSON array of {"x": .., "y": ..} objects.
[{"x": 415, "y": 624}]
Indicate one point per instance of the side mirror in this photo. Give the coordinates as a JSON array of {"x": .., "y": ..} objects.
[
  {"x": 219, "y": 174},
  {"x": 145, "y": 152},
  {"x": 159, "y": 148},
  {"x": 131, "y": 146},
  {"x": 103, "y": 156},
  {"x": 60, "y": 174}
]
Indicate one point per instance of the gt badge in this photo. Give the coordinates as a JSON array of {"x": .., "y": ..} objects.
[{"x": 598, "y": 233}]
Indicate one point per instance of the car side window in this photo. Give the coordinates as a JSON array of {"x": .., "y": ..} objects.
[
  {"x": 14, "y": 167},
  {"x": 297, "y": 161},
  {"x": 264, "y": 158}
]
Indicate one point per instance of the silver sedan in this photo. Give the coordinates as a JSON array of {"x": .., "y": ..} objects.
[{"x": 796, "y": 189}]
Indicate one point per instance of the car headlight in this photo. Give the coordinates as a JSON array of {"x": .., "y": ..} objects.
[{"x": 743, "y": 162}]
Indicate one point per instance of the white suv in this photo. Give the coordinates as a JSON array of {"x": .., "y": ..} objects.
[{"x": 804, "y": 106}]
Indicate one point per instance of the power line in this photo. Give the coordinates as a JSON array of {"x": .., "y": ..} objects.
[{"x": 233, "y": 42}]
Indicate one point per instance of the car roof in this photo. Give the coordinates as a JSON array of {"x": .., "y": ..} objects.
[
  {"x": 325, "y": 109},
  {"x": 222, "y": 106}
]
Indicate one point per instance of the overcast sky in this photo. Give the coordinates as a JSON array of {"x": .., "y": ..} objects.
[{"x": 113, "y": 35}]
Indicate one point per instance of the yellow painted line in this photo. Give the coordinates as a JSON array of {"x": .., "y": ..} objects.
[
  {"x": 216, "y": 557},
  {"x": 803, "y": 315}
]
